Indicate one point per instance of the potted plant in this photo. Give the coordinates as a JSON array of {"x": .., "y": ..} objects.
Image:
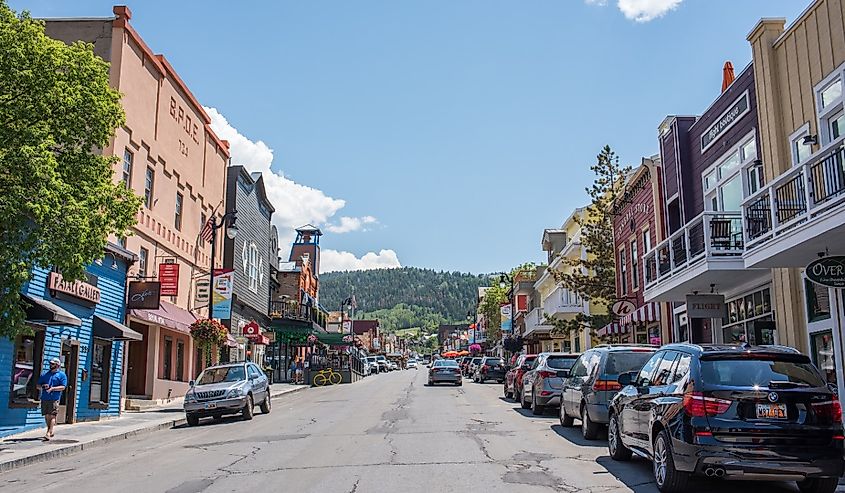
[{"x": 208, "y": 333}]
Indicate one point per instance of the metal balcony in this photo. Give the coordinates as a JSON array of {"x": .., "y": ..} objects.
[
  {"x": 292, "y": 314},
  {"x": 534, "y": 323}
]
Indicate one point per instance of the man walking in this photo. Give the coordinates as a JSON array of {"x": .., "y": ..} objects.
[{"x": 52, "y": 383}]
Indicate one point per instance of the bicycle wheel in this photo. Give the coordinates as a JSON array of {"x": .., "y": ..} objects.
[
  {"x": 335, "y": 378},
  {"x": 320, "y": 379}
]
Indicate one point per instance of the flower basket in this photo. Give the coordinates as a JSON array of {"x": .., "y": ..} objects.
[
  {"x": 208, "y": 333},
  {"x": 312, "y": 339},
  {"x": 475, "y": 348}
]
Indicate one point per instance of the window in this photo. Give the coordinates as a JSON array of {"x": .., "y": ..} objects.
[
  {"x": 100, "y": 372},
  {"x": 148, "y": 187},
  {"x": 818, "y": 301},
  {"x": 754, "y": 175},
  {"x": 801, "y": 151},
  {"x": 830, "y": 93},
  {"x": 177, "y": 222},
  {"x": 663, "y": 375},
  {"x": 180, "y": 361},
  {"x": 746, "y": 319},
  {"x": 682, "y": 369},
  {"x": 837, "y": 125},
  {"x": 747, "y": 372},
  {"x": 579, "y": 369},
  {"x": 26, "y": 368},
  {"x": 143, "y": 255},
  {"x": 252, "y": 267},
  {"x": 623, "y": 272},
  {"x": 644, "y": 377},
  {"x": 646, "y": 241},
  {"x": 168, "y": 357},
  {"x": 829, "y": 107},
  {"x": 122, "y": 242},
  {"x": 127, "y": 168},
  {"x": 723, "y": 183},
  {"x": 202, "y": 221},
  {"x": 634, "y": 274},
  {"x": 823, "y": 354}
]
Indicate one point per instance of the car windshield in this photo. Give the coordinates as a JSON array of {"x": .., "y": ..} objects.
[
  {"x": 380, "y": 358},
  {"x": 493, "y": 361},
  {"x": 759, "y": 373},
  {"x": 560, "y": 362},
  {"x": 446, "y": 362},
  {"x": 475, "y": 361},
  {"x": 223, "y": 374},
  {"x": 622, "y": 362}
]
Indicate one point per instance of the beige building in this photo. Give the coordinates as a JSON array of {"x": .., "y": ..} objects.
[
  {"x": 169, "y": 156},
  {"x": 799, "y": 213}
]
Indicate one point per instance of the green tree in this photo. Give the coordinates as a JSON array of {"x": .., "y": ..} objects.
[
  {"x": 490, "y": 308},
  {"x": 58, "y": 203},
  {"x": 594, "y": 278}
]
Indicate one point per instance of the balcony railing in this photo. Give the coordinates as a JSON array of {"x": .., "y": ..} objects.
[
  {"x": 796, "y": 196},
  {"x": 709, "y": 235},
  {"x": 534, "y": 321},
  {"x": 290, "y": 310},
  {"x": 562, "y": 301}
]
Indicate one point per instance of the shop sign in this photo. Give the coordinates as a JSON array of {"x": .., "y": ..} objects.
[
  {"x": 827, "y": 271},
  {"x": 252, "y": 331},
  {"x": 168, "y": 275},
  {"x": 77, "y": 289},
  {"x": 203, "y": 290},
  {"x": 706, "y": 306},
  {"x": 622, "y": 308},
  {"x": 727, "y": 120},
  {"x": 144, "y": 294}
]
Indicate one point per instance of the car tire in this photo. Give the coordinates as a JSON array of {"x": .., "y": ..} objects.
[
  {"x": 523, "y": 403},
  {"x": 508, "y": 395},
  {"x": 517, "y": 396},
  {"x": 460, "y": 384},
  {"x": 818, "y": 485},
  {"x": 536, "y": 409},
  {"x": 192, "y": 420},
  {"x": 667, "y": 478},
  {"x": 247, "y": 412},
  {"x": 265, "y": 406},
  {"x": 457, "y": 384},
  {"x": 565, "y": 420},
  {"x": 589, "y": 429},
  {"x": 430, "y": 383},
  {"x": 617, "y": 449}
]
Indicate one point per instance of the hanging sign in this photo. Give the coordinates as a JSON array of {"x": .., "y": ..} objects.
[
  {"x": 347, "y": 326},
  {"x": 77, "y": 289},
  {"x": 252, "y": 331},
  {"x": 144, "y": 295},
  {"x": 706, "y": 306},
  {"x": 168, "y": 275},
  {"x": 827, "y": 271},
  {"x": 203, "y": 291},
  {"x": 505, "y": 311},
  {"x": 622, "y": 308},
  {"x": 221, "y": 295}
]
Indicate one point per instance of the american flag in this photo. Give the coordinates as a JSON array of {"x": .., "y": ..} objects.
[{"x": 208, "y": 230}]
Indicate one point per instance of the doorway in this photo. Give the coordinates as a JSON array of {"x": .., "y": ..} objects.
[
  {"x": 136, "y": 374},
  {"x": 70, "y": 362}
]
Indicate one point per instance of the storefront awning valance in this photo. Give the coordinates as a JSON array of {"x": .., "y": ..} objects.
[
  {"x": 113, "y": 331},
  {"x": 48, "y": 313},
  {"x": 331, "y": 338},
  {"x": 646, "y": 313},
  {"x": 611, "y": 329},
  {"x": 168, "y": 315}
]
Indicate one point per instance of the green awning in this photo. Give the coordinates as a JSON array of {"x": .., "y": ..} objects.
[
  {"x": 289, "y": 335},
  {"x": 331, "y": 338}
]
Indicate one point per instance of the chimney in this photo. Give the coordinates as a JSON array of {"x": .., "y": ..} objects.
[{"x": 727, "y": 75}]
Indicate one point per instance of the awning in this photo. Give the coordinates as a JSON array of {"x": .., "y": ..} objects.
[
  {"x": 230, "y": 340},
  {"x": 612, "y": 328},
  {"x": 46, "y": 312},
  {"x": 168, "y": 315},
  {"x": 114, "y": 331},
  {"x": 331, "y": 338},
  {"x": 649, "y": 312}
]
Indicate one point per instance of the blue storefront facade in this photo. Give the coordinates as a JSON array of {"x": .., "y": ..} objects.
[{"x": 82, "y": 324}]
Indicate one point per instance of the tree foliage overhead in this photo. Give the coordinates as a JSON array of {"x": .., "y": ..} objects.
[
  {"x": 490, "y": 308},
  {"x": 59, "y": 202},
  {"x": 448, "y": 294},
  {"x": 594, "y": 278}
]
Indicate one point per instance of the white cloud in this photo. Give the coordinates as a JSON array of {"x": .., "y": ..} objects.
[
  {"x": 646, "y": 10},
  {"x": 333, "y": 260},
  {"x": 348, "y": 224},
  {"x": 600, "y": 3}
]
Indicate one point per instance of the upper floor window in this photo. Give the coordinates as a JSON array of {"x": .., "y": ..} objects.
[
  {"x": 646, "y": 241},
  {"x": 623, "y": 272},
  {"x": 723, "y": 182},
  {"x": 799, "y": 150},
  {"x": 149, "y": 182},
  {"x": 177, "y": 220},
  {"x": 831, "y": 93},
  {"x": 252, "y": 267},
  {"x": 829, "y": 104},
  {"x": 143, "y": 255},
  {"x": 127, "y": 168},
  {"x": 634, "y": 277}
]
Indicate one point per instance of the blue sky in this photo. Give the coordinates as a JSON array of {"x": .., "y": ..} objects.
[{"x": 440, "y": 134}]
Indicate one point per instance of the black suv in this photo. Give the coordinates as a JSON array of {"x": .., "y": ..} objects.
[{"x": 732, "y": 412}]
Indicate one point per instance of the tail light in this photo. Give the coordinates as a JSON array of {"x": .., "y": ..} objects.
[
  {"x": 828, "y": 410},
  {"x": 696, "y": 405},
  {"x": 547, "y": 374},
  {"x": 606, "y": 385}
]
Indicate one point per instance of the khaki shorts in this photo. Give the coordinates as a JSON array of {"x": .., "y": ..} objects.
[{"x": 49, "y": 407}]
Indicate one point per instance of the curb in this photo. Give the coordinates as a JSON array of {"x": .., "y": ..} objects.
[{"x": 79, "y": 447}]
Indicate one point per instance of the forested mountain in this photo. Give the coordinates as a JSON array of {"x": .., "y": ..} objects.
[{"x": 449, "y": 295}]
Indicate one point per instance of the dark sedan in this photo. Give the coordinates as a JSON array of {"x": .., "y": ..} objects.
[
  {"x": 490, "y": 368},
  {"x": 445, "y": 370}
]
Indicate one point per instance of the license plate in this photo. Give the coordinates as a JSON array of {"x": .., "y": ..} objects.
[
  {"x": 211, "y": 405},
  {"x": 771, "y": 411}
]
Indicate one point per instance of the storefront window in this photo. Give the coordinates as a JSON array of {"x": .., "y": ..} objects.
[
  {"x": 100, "y": 372},
  {"x": 168, "y": 356},
  {"x": 180, "y": 361},
  {"x": 823, "y": 355},
  {"x": 818, "y": 301},
  {"x": 749, "y": 319},
  {"x": 25, "y": 368}
]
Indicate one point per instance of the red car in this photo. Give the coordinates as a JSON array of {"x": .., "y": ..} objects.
[{"x": 513, "y": 378}]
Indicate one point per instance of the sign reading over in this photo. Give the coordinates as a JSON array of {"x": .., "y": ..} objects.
[
  {"x": 144, "y": 294},
  {"x": 705, "y": 306},
  {"x": 77, "y": 289},
  {"x": 168, "y": 275},
  {"x": 827, "y": 271}
]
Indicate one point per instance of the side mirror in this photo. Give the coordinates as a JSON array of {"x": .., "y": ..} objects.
[
  {"x": 626, "y": 379},
  {"x": 191, "y": 383}
]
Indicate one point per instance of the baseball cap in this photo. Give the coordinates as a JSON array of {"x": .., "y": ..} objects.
[{"x": 56, "y": 361}]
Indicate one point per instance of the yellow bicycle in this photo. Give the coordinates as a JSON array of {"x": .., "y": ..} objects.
[{"x": 327, "y": 377}]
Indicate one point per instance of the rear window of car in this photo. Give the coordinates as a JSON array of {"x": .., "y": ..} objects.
[
  {"x": 750, "y": 372},
  {"x": 493, "y": 361},
  {"x": 446, "y": 362},
  {"x": 622, "y": 362},
  {"x": 475, "y": 360},
  {"x": 560, "y": 362}
]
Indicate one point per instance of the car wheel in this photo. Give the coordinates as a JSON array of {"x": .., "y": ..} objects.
[
  {"x": 192, "y": 420},
  {"x": 589, "y": 430},
  {"x": 565, "y": 420},
  {"x": 247, "y": 411},
  {"x": 265, "y": 406},
  {"x": 523, "y": 402},
  {"x": 536, "y": 409},
  {"x": 430, "y": 383},
  {"x": 508, "y": 395},
  {"x": 460, "y": 384},
  {"x": 818, "y": 485},
  {"x": 667, "y": 478},
  {"x": 516, "y": 395},
  {"x": 617, "y": 449}
]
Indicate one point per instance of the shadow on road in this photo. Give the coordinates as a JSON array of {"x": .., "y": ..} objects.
[
  {"x": 573, "y": 435},
  {"x": 528, "y": 414}
]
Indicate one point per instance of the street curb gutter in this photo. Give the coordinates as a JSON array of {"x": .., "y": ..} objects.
[{"x": 79, "y": 447}]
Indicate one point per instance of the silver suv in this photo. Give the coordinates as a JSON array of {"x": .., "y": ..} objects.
[{"x": 228, "y": 388}]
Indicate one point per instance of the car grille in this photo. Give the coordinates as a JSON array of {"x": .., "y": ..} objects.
[{"x": 211, "y": 394}]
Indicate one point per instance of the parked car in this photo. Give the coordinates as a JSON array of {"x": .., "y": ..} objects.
[
  {"x": 445, "y": 370},
  {"x": 383, "y": 363},
  {"x": 229, "y": 388},
  {"x": 541, "y": 385},
  {"x": 489, "y": 368},
  {"x": 464, "y": 364},
  {"x": 372, "y": 362},
  {"x": 513, "y": 378},
  {"x": 392, "y": 365},
  {"x": 592, "y": 383},
  {"x": 412, "y": 363},
  {"x": 732, "y": 412},
  {"x": 470, "y": 369}
]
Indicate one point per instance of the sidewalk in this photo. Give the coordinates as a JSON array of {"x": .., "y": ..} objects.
[{"x": 28, "y": 448}]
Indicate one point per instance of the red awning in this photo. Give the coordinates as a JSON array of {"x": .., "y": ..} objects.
[
  {"x": 650, "y": 312},
  {"x": 168, "y": 315}
]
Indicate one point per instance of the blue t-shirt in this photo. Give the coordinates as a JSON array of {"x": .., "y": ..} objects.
[{"x": 52, "y": 379}]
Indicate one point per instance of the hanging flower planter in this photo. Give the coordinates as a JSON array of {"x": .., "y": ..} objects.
[
  {"x": 312, "y": 339},
  {"x": 475, "y": 348},
  {"x": 208, "y": 333}
]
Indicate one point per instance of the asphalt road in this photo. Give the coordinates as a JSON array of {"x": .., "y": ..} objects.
[{"x": 388, "y": 433}]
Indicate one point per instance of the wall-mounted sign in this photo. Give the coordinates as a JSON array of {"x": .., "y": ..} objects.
[
  {"x": 706, "y": 306},
  {"x": 168, "y": 275},
  {"x": 144, "y": 294},
  {"x": 203, "y": 290},
  {"x": 622, "y": 308},
  {"x": 727, "y": 120},
  {"x": 221, "y": 295},
  {"x": 252, "y": 331},
  {"x": 827, "y": 271},
  {"x": 78, "y": 289}
]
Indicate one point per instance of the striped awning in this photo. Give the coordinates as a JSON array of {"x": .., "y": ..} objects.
[
  {"x": 649, "y": 312},
  {"x": 611, "y": 329}
]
